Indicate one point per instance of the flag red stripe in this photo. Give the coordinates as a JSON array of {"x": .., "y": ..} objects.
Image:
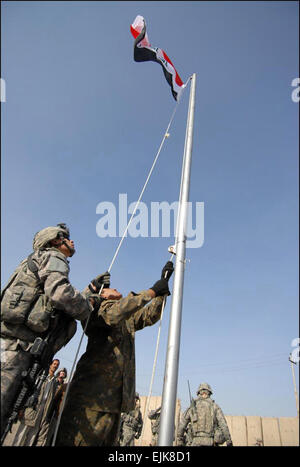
[
  {"x": 144, "y": 52},
  {"x": 134, "y": 32},
  {"x": 177, "y": 78}
]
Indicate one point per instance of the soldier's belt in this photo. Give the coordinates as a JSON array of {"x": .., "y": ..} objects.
[{"x": 202, "y": 434}]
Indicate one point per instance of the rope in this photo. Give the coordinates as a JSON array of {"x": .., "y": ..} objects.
[{"x": 166, "y": 135}]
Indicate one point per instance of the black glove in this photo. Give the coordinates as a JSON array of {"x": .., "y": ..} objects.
[
  {"x": 167, "y": 271},
  {"x": 99, "y": 280},
  {"x": 161, "y": 288},
  {"x": 96, "y": 301},
  {"x": 229, "y": 443}
]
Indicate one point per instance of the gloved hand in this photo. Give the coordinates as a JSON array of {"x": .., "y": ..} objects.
[
  {"x": 95, "y": 301},
  {"x": 98, "y": 281},
  {"x": 229, "y": 443},
  {"x": 161, "y": 288},
  {"x": 167, "y": 270}
]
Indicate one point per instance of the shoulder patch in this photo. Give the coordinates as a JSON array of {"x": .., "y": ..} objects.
[{"x": 58, "y": 265}]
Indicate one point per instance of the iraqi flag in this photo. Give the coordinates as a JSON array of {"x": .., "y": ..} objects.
[{"x": 143, "y": 52}]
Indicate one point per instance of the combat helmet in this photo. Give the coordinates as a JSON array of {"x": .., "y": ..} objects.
[
  {"x": 44, "y": 236},
  {"x": 205, "y": 386}
]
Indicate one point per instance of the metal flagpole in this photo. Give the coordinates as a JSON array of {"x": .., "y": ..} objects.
[
  {"x": 166, "y": 430},
  {"x": 294, "y": 382}
]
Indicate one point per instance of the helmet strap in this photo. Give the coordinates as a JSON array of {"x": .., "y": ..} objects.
[{"x": 71, "y": 250}]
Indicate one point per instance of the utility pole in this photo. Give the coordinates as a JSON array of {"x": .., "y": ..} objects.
[
  {"x": 167, "y": 419},
  {"x": 294, "y": 382}
]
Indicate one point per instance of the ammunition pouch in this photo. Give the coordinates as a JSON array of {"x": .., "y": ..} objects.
[
  {"x": 39, "y": 317},
  {"x": 219, "y": 437},
  {"x": 16, "y": 305}
]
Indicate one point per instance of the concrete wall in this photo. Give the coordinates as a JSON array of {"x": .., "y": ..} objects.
[
  {"x": 244, "y": 430},
  {"x": 263, "y": 431}
]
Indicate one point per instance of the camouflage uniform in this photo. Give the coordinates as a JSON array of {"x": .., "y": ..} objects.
[
  {"x": 186, "y": 438},
  {"x": 103, "y": 385},
  {"x": 154, "y": 416},
  {"x": 131, "y": 424},
  {"x": 24, "y": 317},
  {"x": 188, "y": 435},
  {"x": 207, "y": 421}
]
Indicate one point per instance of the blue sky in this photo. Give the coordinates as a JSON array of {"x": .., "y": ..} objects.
[{"x": 82, "y": 123}]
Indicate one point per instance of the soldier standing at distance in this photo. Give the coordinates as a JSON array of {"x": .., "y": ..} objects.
[
  {"x": 207, "y": 420},
  {"x": 131, "y": 424},
  {"x": 92, "y": 412},
  {"x": 154, "y": 416},
  {"x": 39, "y": 301}
]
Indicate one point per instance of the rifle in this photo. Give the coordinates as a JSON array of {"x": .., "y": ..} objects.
[{"x": 32, "y": 380}]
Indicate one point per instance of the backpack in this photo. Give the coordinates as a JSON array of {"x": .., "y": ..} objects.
[{"x": 23, "y": 300}]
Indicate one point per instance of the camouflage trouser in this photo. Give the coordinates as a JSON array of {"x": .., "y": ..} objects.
[
  {"x": 14, "y": 360},
  {"x": 154, "y": 439},
  {"x": 128, "y": 436},
  {"x": 202, "y": 441},
  {"x": 81, "y": 426}
]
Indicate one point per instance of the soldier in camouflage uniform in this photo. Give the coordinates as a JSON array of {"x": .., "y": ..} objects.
[
  {"x": 209, "y": 425},
  {"x": 103, "y": 385},
  {"x": 131, "y": 424},
  {"x": 154, "y": 416},
  {"x": 39, "y": 301}
]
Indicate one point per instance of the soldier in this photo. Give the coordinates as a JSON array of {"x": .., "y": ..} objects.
[
  {"x": 92, "y": 411},
  {"x": 131, "y": 424},
  {"x": 154, "y": 416},
  {"x": 205, "y": 417},
  {"x": 39, "y": 301}
]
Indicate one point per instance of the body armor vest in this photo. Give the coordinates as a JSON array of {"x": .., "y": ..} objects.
[
  {"x": 23, "y": 300},
  {"x": 26, "y": 312},
  {"x": 205, "y": 418}
]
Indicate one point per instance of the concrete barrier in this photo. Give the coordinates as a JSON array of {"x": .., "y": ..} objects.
[
  {"x": 263, "y": 431},
  {"x": 289, "y": 431},
  {"x": 254, "y": 431},
  {"x": 238, "y": 430}
]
